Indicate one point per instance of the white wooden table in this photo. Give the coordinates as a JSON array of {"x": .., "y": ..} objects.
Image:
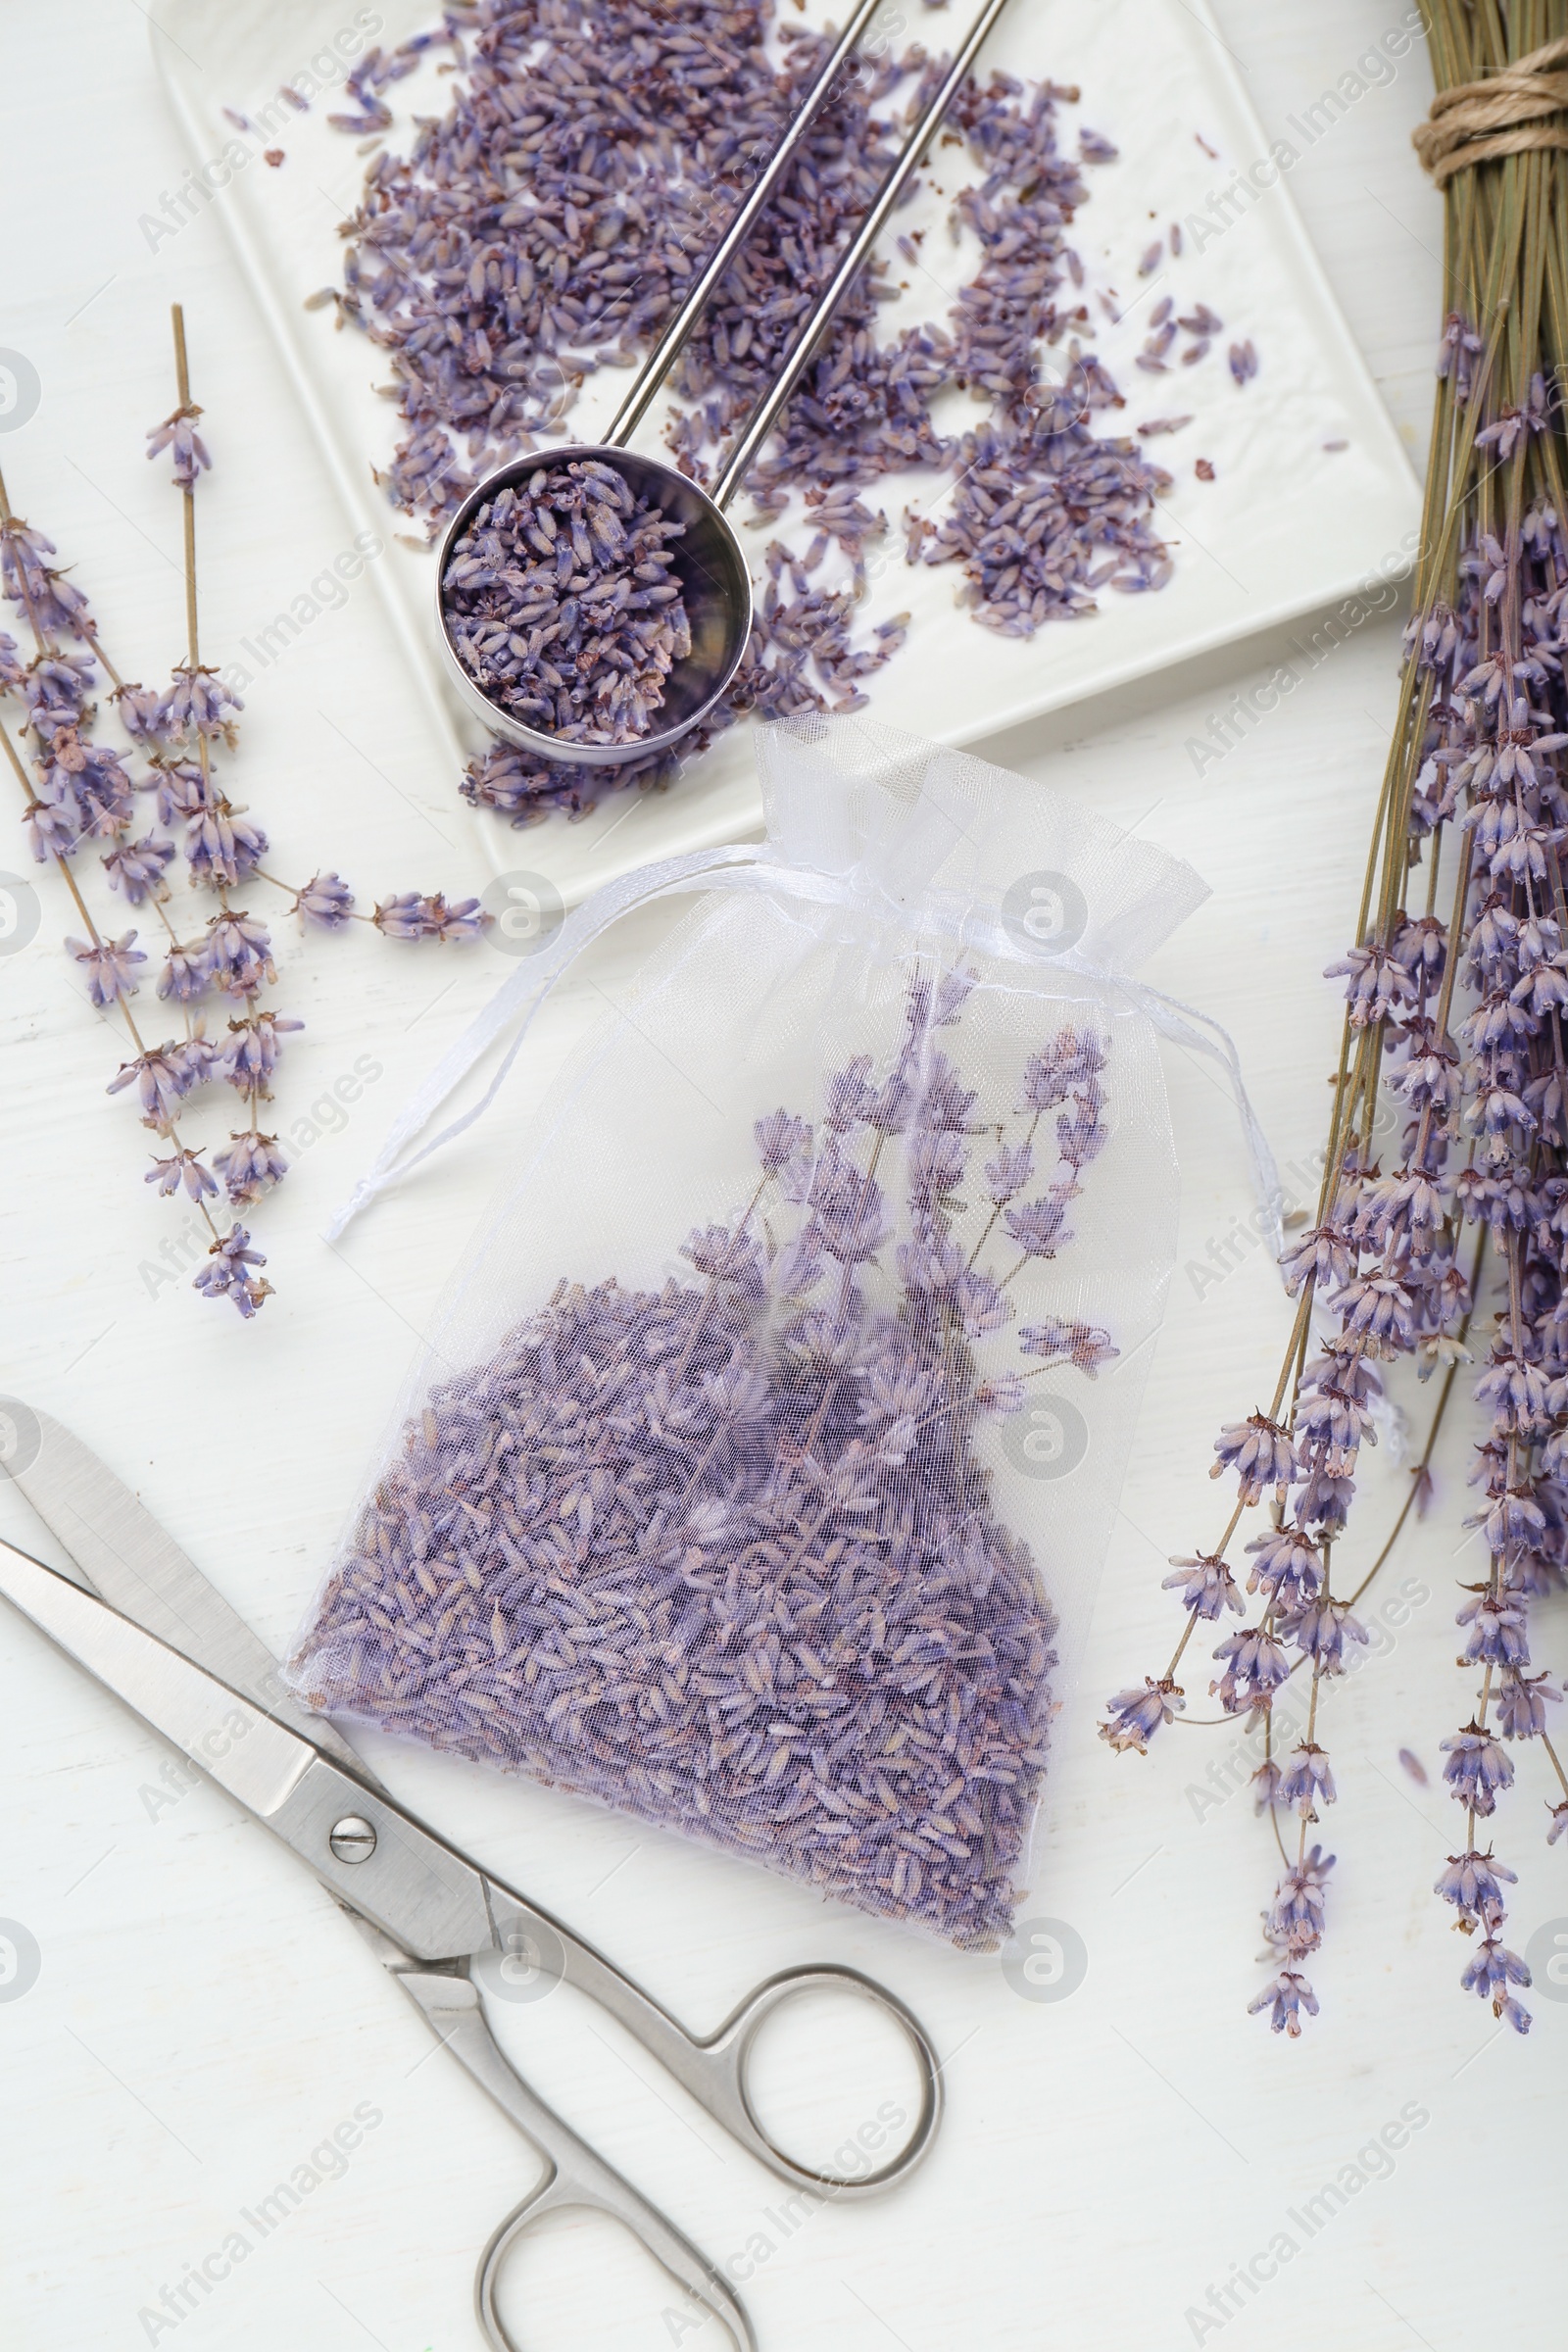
[{"x": 201, "y": 2021}]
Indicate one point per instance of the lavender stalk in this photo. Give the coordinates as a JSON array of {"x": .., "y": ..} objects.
[
  {"x": 82, "y": 792},
  {"x": 1455, "y": 987}
]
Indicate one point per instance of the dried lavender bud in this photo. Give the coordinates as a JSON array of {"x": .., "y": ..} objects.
[
  {"x": 563, "y": 604},
  {"x": 137, "y": 868},
  {"x": 238, "y": 953},
  {"x": 492, "y": 264},
  {"x": 226, "y": 1273},
  {"x": 197, "y": 703},
  {"x": 248, "y": 1056},
  {"x": 182, "y": 1170},
  {"x": 250, "y": 1164},
  {"x": 411, "y": 915},
  {"x": 163, "y": 1077},
  {"x": 106, "y": 966},
  {"x": 178, "y": 433},
  {"x": 187, "y": 972},
  {"x": 325, "y": 899},
  {"x": 721, "y": 1555}
]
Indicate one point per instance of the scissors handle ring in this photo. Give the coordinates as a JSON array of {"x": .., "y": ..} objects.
[
  {"x": 713, "y": 2068},
  {"x": 599, "y": 2189},
  {"x": 575, "y": 2173},
  {"x": 718, "y": 2076}
]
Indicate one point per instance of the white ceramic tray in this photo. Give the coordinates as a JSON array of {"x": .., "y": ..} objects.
[{"x": 1288, "y": 524}]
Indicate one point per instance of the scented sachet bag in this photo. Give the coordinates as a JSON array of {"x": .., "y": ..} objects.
[{"x": 758, "y": 1473}]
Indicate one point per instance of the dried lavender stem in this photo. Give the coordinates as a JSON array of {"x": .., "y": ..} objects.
[{"x": 188, "y": 500}]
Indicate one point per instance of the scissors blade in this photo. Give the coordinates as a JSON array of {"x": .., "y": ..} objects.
[
  {"x": 424, "y": 1894},
  {"x": 239, "y": 1744},
  {"x": 141, "y": 1570}
]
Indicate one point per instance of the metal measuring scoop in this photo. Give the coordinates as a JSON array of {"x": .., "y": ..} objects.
[{"x": 707, "y": 558}]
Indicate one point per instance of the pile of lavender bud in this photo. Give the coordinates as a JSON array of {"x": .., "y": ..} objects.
[
  {"x": 721, "y": 1555},
  {"x": 547, "y": 225},
  {"x": 563, "y": 605}
]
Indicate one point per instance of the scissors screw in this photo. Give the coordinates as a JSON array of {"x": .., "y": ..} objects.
[{"x": 353, "y": 1838}]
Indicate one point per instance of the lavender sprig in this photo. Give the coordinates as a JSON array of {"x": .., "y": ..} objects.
[
  {"x": 1460, "y": 1021},
  {"x": 82, "y": 792}
]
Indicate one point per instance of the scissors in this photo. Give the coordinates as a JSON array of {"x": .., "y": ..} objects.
[{"x": 141, "y": 1618}]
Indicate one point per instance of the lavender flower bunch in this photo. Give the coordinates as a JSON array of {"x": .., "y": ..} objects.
[
  {"x": 1457, "y": 1021},
  {"x": 722, "y": 1555},
  {"x": 563, "y": 605},
  {"x": 500, "y": 267},
  {"x": 216, "y": 962}
]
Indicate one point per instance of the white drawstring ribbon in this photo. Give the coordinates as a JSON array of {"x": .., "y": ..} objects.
[{"x": 753, "y": 866}]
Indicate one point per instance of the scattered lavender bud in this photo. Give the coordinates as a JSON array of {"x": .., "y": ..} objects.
[
  {"x": 1243, "y": 362},
  {"x": 493, "y": 314},
  {"x": 1414, "y": 1766}
]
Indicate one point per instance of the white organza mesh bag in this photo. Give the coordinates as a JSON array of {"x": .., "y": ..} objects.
[{"x": 757, "y": 1474}]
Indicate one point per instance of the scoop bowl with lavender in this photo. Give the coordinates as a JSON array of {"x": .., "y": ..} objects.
[{"x": 592, "y": 607}]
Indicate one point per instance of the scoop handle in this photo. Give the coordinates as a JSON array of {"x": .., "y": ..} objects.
[
  {"x": 667, "y": 350},
  {"x": 765, "y": 414}
]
